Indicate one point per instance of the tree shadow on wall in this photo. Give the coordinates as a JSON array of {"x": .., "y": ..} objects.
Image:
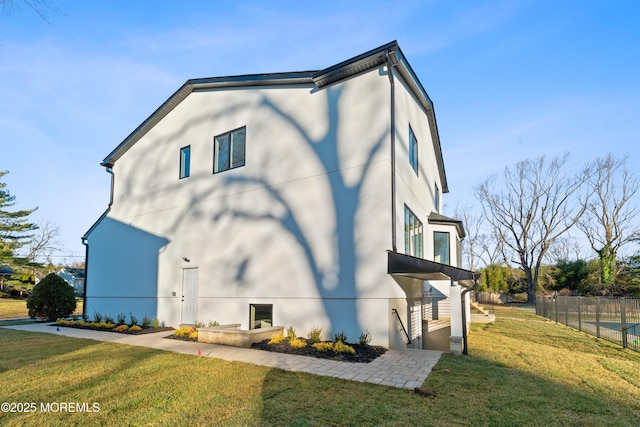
[{"x": 337, "y": 283}]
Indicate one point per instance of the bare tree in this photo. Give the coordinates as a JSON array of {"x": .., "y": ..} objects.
[
  {"x": 610, "y": 220},
  {"x": 45, "y": 243},
  {"x": 537, "y": 202},
  {"x": 473, "y": 225},
  {"x": 41, "y": 7},
  {"x": 491, "y": 250},
  {"x": 563, "y": 249}
]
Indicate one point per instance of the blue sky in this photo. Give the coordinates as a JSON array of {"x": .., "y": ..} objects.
[{"x": 509, "y": 79}]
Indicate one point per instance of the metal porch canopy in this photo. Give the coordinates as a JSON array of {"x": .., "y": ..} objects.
[{"x": 422, "y": 269}]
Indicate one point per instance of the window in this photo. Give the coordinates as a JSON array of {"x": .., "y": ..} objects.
[
  {"x": 412, "y": 234},
  {"x": 261, "y": 316},
  {"x": 441, "y": 247},
  {"x": 229, "y": 150},
  {"x": 185, "y": 161},
  {"x": 413, "y": 151},
  {"x": 436, "y": 197}
]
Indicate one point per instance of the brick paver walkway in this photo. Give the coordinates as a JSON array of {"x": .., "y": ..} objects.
[{"x": 397, "y": 368}]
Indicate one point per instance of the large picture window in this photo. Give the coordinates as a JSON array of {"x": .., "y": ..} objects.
[
  {"x": 261, "y": 316},
  {"x": 229, "y": 150},
  {"x": 185, "y": 161},
  {"x": 441, "y": 247},
  {"x": 412, "y": 234},
  {"x": 413, "y": 150}
]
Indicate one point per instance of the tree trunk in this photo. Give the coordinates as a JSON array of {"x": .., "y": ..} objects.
[{"x": 607, "y": 265}]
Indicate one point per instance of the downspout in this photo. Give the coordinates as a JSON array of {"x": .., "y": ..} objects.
[
  {"x": 388, "y": 60},
  {"x": 109, "y": 169},
  {"x": 86, "y": 277},
  {"x": 464, "y": 316}
]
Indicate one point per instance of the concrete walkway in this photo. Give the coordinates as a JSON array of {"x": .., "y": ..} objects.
[{"x": 397, "y": 368}]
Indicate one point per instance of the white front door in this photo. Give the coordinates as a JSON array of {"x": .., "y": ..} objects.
[{"x": 189, "y": 296}]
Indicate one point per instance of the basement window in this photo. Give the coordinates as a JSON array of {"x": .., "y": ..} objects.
[{"x": 261, "y": 316}]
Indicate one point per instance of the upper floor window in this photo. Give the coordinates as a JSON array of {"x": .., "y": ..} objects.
[
  {"x": 441, "y": 247},
  {"x": 185, "y": 161},
  {"x": 229, "y": 150},
  {"x": 436, "y": 197},
  {"x": 413, "y": 150},
  {"x": 412, "y": 234}
]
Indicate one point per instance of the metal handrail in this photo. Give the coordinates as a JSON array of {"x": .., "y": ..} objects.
[{"x": 394, "y": 311}]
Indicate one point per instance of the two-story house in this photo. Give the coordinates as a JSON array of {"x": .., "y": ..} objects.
[{"x": 309, "y": 199}]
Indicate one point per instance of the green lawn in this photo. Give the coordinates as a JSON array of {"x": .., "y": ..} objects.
[
  {"x": 11, "y": 308},
  {"x": 519, "y": 372}
]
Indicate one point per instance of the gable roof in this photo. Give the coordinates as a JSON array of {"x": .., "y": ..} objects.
[{"x": 319, "y": 78}]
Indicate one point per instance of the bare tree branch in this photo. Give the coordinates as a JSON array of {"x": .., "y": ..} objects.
[{"x": 536, "y": 203}]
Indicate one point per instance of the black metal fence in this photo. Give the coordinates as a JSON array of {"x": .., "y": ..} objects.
[{"x": 612, "y": 319}]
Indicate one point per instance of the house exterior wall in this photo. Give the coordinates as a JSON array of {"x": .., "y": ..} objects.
[{"x": 304, "y": 225}]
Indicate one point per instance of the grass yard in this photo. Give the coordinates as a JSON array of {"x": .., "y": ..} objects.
[
  {"x": 12, "y": 308},
  {"x": 519, "y": 372}
]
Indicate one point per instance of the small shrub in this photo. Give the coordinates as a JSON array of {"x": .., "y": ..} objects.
[
  {"x": 121, "y": 328},
  {"x": 340, "y": 336},
  {"x": 135, "y": 328},
  {"x": 74, "y": 317},
  {"x": 108, "y": 319},
  {"x": 51, "y": 298},
  {"x": 133, "y": 319},
  {"x": 85, "y": 317},
  {"x": 184, "y": 331},
  {"x": 194, "y": 335},
  {"x": 61, "y": 322},
  {"x": 314, "y": 335},
  {"x": 146, "y": 322},
  {"x": 198, "y": 325},
  {"x": 297, "y": 343},
  {"x": 155, "y": 322},
  {"x": 212, "y": 323},
  {"x": 291, "y": 333},
  {"x": 340, "y": 347},
  {"x": 323, "y": 346},
  {"x": 365, "y": 338},
  {"x": 278, "y": 338},
  {"x": 108, "y": 325},
  {"x": 122, "y": 318},
  {"x": 97, "y": 317}
]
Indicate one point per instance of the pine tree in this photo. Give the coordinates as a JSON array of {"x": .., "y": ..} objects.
[{"x": 15, "y": 227}]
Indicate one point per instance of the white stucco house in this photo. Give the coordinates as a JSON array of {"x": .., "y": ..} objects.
[{"x": 309, "y": 199}]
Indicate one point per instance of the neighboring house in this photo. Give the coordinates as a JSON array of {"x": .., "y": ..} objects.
[
  {"x": 5, "y": 271},
  {"x": 74, "y": 277},
  {"x": 308, "y": 199}
]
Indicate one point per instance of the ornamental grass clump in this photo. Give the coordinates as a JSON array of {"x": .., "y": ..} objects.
[
  {"x": 365, "y": 338},
  {"x": 323, "y": 346},
  {"x": 340, "y": 336},
  {"x": 276, "y": 339},
  {"x": 340, "y": 347},
  {"x": 291, "y": 333},
  {"x": 314, "y": 335},
  {"x": 297, "y": 343}
]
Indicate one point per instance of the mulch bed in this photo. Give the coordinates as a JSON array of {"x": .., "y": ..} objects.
[
  {"x": 146, "y": 330},
  {"x": 364, "y": 354}
]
